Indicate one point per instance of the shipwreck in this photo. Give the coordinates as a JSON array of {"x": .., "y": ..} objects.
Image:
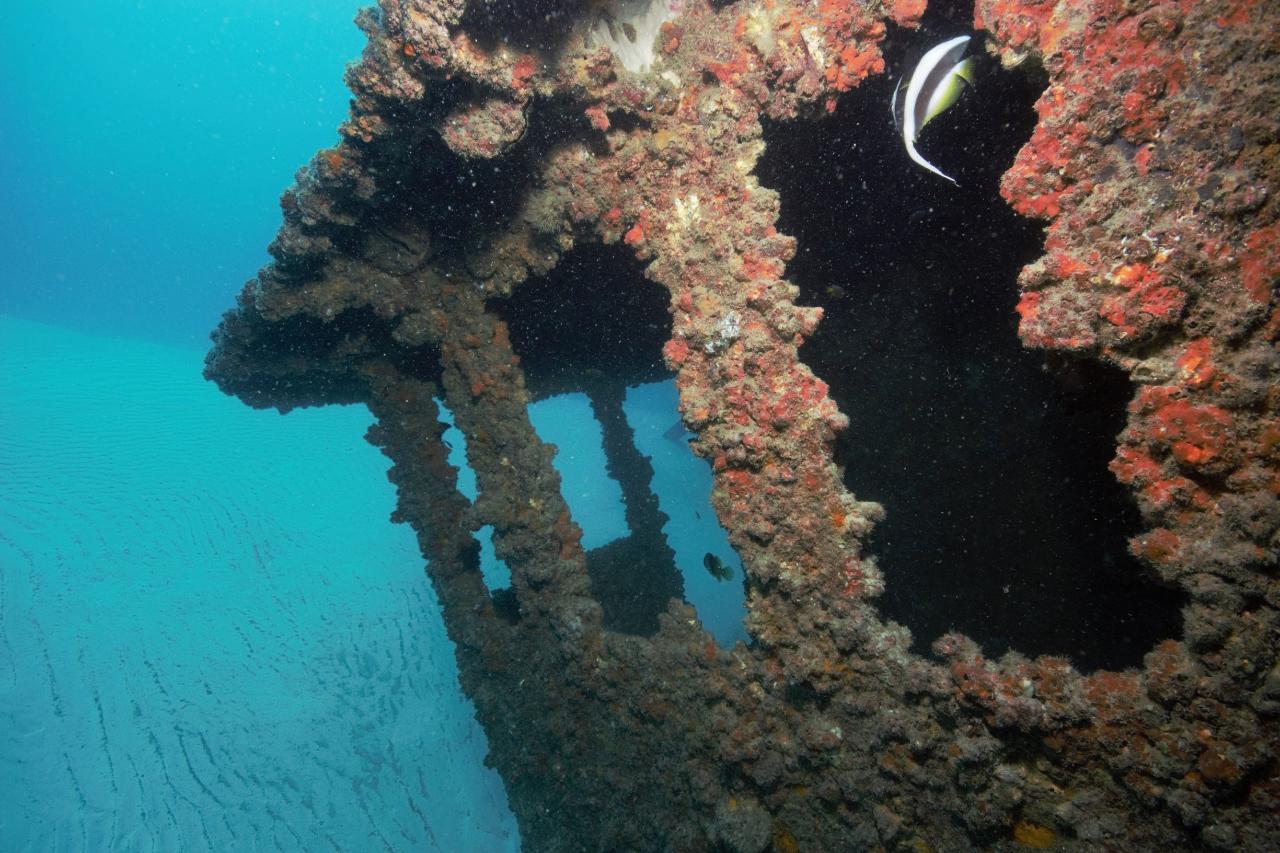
[{"x": 536, "y": 197}]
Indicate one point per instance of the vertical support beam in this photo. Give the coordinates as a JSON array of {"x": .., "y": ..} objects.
[
  {"x": 519, "y": 489},
  {"x": 410, "y": 433},
  {"x": 634, "y": 578}
]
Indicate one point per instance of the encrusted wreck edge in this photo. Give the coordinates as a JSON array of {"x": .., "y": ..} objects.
[{"x": 1157, "y": 171}]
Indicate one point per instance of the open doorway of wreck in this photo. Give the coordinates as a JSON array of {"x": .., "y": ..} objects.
[
  {"x": 594, "y": 326},
  {"x": 485, "y": 145},
  {"x": 1002, "y": 519}
]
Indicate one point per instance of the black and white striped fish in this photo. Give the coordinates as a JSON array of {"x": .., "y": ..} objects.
[{"x": 935, "y": 84}]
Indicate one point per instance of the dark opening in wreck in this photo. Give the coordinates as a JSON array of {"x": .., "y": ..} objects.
[{"x": 1002, "y": 521}]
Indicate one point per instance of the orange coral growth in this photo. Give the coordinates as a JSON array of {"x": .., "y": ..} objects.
[
  {"x": 1065, "y": 266},
  {"x": 907, "y": 13},
  {"x": 1194, "y": 365},
  {"x": 636, "y": 233},
  {"x": 1260, "y": 262},
  {"x": 1216, "y": 764},
  {"x": 854, "y": 64},
  {"x": 1129, "y": 275},
  {"x": 1020, "y": 24},
  {"x": 1132, "y": 466},
  {"x": 784, "y": 841},
  {"x": 1114, "y": 695},
  {"x": 756, "y": 267},
  {"x": 1142, "y": 160},
  {"x": 676, "y": 351},
  {"x": 671, "y": 35},
  {"x": 1029, "y": 305},
  {"x": 525, "y": 67},
  {"x": 1149, "y": 300},
  {"x": 855, "y": 37},
  {"x": 1158, "y": 546},
  {"x": 569, "y": 534},
  {"x": 1039, "y": 206},
  {"x": 1195, "y": 434},
  {"x": 726, "y": 72},
  {"x": 501, "y": 335},
  {"x": 598, "y": 117},
  {"x": 1269, "y": 440}
]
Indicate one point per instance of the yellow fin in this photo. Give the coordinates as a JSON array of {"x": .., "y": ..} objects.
[{"x": 949, "y": 91}]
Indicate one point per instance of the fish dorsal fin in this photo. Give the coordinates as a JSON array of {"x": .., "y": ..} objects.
[{"x": 896, "y": 104}]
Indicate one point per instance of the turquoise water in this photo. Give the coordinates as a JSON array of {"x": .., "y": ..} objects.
[
  {"x": 196, "y": 651},
  {"x": 144, "y": 146}
]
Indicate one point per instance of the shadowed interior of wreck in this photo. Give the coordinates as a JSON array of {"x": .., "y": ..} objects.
[
  {"x": 542, "y": 22},
  {"x": 1003, "y": 519}
]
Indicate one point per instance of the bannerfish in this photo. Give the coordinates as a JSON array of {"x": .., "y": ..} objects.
[
  {"x": 935, "y": 84},
  {"x": 716, "y": 567}
]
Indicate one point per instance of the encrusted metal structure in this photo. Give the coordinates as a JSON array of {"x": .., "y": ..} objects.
[{"x": 486, "y": 139}]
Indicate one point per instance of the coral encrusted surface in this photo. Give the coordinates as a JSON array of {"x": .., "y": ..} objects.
[{"x": 487, "y": 139}]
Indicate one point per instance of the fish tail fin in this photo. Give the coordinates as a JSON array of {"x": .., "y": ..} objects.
[{"x": 915, "y": 155}]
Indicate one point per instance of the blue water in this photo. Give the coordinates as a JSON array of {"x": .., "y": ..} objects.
[
  {"x": 195, "y": 651},
  {"x": 204, "y": 645},
  {"x": 144, "y": 145}
]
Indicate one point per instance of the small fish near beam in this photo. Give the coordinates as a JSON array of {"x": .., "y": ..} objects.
[
  {"x": 934, "y": 85},
  {"x": 716, "y": 567}
]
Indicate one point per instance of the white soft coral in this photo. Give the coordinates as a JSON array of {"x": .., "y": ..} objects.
[{"x": 629, "y": 28}]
